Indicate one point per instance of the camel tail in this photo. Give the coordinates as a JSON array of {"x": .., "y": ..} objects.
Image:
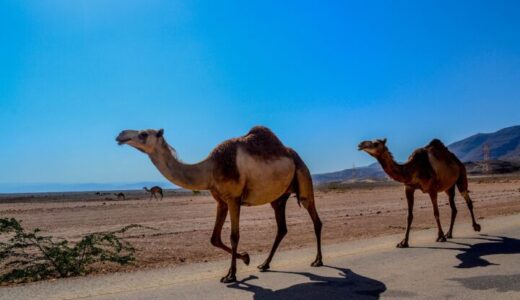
[{"x": 302, "y": 181}]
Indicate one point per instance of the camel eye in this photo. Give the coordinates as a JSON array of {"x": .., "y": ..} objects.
[
  {"x": 143, "y": 135},
  {"x": 376, "y": 144}
]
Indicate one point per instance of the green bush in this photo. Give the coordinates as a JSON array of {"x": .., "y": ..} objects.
[{"x": 29, "y": 256}]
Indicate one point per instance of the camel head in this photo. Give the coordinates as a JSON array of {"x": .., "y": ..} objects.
[
  {"x": 143, "y": 140},
  {"x": 375, "y": 148}
]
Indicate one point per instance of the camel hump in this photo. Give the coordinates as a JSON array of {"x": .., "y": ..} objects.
[
  {"x": 262, "y": 142},
  {"x": 260, "y": 130},
  {"x": 437, "y": 144}
]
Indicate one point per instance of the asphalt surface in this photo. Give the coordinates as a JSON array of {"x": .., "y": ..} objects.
[{"x": 473, "y": 265}]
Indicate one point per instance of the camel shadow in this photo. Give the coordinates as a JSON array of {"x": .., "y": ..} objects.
[
  {"x": 473, "y": 255},
  {"x": 348, "y": 286}
]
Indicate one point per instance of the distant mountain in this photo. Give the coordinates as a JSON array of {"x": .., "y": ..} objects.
[
  {"x": 371, "y": 172},
  {"x": 503, "y": 145},
  {"x": 504, "y": 148}
]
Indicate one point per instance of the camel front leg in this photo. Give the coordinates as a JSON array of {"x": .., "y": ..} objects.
[
  {"x": 440, "y": 234},
  {"x": 234, "y": 213},
  {"x": 279, "y": 211},
  {"x": 409, "y": 200},
  {"x": 451, "y": 198},
  {"x": 222, "y": 210}
]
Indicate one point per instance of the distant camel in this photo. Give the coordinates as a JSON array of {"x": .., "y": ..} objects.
[
  {"x": 431, "y": 169},
  {"x": 154, "y": 191},
  {"x": 250, "y": 170},
  {"x": 120, "y": 196}
]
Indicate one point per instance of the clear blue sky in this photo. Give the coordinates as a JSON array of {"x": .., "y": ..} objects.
[{"x": 322, "y": 75}]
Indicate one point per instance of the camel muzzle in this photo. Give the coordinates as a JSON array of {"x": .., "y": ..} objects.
[
  {"x": 364, "y": 145},
  {"x": 125, "y": 136}
]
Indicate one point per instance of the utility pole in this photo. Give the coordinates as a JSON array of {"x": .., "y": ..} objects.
[{"x": 487, "y": 157}]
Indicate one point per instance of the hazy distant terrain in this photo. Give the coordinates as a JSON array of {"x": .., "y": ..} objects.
[
  {"x": 79, "y": 187},
  {"x": 504, "y": 146}
]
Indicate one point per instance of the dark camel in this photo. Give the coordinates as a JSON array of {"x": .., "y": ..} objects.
[
  {"x": 254, "y": 169},
  {"x": 431, "y": 169},
  {"x": 154, "y": 191},
  {"x": 120, "y": 196}
]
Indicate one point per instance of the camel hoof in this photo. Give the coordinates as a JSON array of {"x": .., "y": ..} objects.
[
  {"x": 448, "y": 235},
  {"x": 245, "y": 258},
  {"x": 264, "y": 267},
  {"x": 317, "y": 263},
  {"x": 403, "y": 244},
  {"x": 228, "y": 279},
  {"x": 476, "y": 227},
  {"x": 441, "y": 239}
]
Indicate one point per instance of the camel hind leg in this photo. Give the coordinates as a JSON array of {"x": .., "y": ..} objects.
[
  {"x": 317, "y": 230},
  {"x": 302, "y": 185},
  {"x": 462, "y": 185},
  {"x": 279, "y": 211},
  {"x": 451, "y": 198}
]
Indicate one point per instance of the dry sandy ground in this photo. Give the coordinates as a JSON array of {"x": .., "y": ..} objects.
[{"x": 184, "y": 223}]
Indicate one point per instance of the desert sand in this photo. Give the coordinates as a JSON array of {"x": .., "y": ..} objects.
[{"x": 183, "y": 222}]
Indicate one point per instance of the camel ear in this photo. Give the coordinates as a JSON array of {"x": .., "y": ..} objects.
[
  {"x": 160, "y": 133},
  {"x": 384, "y": 141}
]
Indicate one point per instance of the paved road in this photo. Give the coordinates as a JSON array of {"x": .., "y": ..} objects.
[{"x": 471, "y": 266}]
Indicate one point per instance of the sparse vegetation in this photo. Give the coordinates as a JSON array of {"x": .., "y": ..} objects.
[{"x": 29, "y": 256}]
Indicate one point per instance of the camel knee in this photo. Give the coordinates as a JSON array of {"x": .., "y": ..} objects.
[
  {"x": 470, "y": 204},
  {"x": 317, "y": 225},
  {"x": 215, "y": 241},
  {"x": 282, "y": 232},
  {"x": 410, "y": 218}
]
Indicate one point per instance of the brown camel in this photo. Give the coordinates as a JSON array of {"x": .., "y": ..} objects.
[
  {"x": 154, "y": 191},
  {"x": 120, "y": 196},
  {"x": 431, "y": 169},
  {"x": 254, "y": 169}
]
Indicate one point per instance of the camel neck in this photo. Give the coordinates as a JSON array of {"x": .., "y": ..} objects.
[
  {"x": 393, "y": 169},
  {"x": 189, "y": 176}
]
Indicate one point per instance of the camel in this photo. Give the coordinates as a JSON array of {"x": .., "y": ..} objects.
[
  {"x": 154, "y": 191},
  {"x": 251, "y": 170},
  {"x": 120, "y": 196},
  {"x": 431, "y": 169}
]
